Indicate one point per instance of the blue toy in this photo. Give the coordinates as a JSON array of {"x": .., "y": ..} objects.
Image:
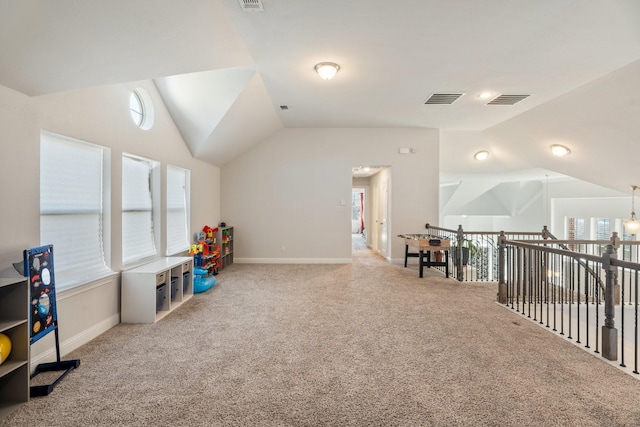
[{"x": 202, "y": 282}]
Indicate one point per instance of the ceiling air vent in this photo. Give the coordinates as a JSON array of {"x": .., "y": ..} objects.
[
  {"x": 443, "y": 98},
  {"x": 507, "y": 99},
  {"x": 251, "y": 5}
]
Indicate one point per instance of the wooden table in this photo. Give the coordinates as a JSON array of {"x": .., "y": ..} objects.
[{"x": 426, "y": 243}]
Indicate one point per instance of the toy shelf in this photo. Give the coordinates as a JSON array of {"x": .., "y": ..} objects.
[
  {"x": 153, "y": 290},
  {"x": 211, "y": 261},
  {"x": 225, "y": 238},
  {"x": 14, "y": 323}
]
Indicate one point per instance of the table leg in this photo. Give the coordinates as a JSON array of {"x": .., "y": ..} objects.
[
  {"x": 446, "y": 263},
  {"x": 406, "y": 254},
  {"x": 421, "y": 258}
]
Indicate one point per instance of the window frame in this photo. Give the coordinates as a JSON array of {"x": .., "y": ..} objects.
[
  {"x": 176, "y": 247},
  {"x": 69, "y": 248},
  {"x": 154, "y": 209},
  {"x": 144, "y": 118}
]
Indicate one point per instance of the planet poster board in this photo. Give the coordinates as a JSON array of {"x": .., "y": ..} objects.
[{"x": 38, "y": 267}]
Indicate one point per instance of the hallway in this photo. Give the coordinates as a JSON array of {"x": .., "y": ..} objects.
[{"x": 358, "y": 243}]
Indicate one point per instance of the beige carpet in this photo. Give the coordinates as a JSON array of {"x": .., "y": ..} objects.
[{"x": 367, "y": 344}]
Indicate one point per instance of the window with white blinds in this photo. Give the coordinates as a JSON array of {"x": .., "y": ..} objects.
[
  {"x": 139, "y": 218},
  {"x": 177, "y": 210},
  {"x": 72, "y": 202}
]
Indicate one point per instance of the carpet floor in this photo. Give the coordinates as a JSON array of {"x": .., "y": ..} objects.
[{"x": 364, "y": 344}]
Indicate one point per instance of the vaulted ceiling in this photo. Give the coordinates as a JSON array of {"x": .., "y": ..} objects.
[{"x": 224, "y": 72}]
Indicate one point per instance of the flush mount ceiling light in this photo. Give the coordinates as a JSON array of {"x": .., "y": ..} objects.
[
  {"x": 632, "y": 225},
  {"x": 481, "y": 155},
  {"x": 560, "y": 150},
  {"x": 327, "y": 70}
]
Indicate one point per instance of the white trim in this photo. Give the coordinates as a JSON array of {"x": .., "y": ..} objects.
[
  {"x": 79, "y": 289},
  {"x": 292, "y": 261},
  {"x": 68, "y": 345}
]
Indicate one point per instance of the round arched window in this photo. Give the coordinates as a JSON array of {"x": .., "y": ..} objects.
[{"x": 141, "y": 108}]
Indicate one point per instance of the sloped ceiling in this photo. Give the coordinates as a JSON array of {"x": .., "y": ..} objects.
[
  {"x": 199, "y": 101},
  {"x": 54, "y": 46},
  {"x": 503, "y": 194},
  {"x": 508, "y": 199},
  {"x": 220, "y": 113},
  {"x": 248, "y": 122},
  {"x": 599, "y": 122},
  {"x": 224, "y": 72}
]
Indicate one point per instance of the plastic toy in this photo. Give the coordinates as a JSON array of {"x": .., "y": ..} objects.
[
  {"x": 202, "y": 282},
  {"x": 206, "y": 262},
  {"x": 5, "y": 347},
  {"x": 38, "y": 267},
  {"x": 209, "y": 231}
]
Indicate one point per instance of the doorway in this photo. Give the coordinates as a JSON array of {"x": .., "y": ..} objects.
[
  {"x": 358, "y": 218},
  {"x": 371, "y": 207}
]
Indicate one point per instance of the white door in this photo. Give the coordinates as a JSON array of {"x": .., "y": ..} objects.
[
  {"x": 383, "y": 213},
  {"x": 374, "y": 230}
]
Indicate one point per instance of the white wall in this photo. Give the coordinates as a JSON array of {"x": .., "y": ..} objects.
[
  {"x": 557, "y": 199},
  {"x": 609, "y": 207},
  {"x": 100, "y": 116},
  {"x": 286, "y": 192}
]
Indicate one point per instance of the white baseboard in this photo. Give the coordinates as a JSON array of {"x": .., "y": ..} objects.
[
  {"x": 292, "y": 260},
  {"x": 70, "y": 344}
]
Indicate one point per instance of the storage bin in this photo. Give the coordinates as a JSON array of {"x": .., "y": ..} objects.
[
  {"x": 160, "y": 296},
  {"x": 185, "y": 281},
  {"x": 174, "y": 288}
]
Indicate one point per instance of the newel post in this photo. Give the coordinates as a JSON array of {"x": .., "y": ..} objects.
[
  {"x": 502, "y": 268},
  {"x": 615, "y": 242},
  {"x": 545, "y": 232},
  {"x": 609, "y": 331},
  {"x": 458, "y": 257}
]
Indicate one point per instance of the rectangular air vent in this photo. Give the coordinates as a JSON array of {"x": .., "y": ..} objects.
[
  {"x": 443, "y": 98},
  {"x": 507, "y": 99},
  {"x": 251, "y": 5}
]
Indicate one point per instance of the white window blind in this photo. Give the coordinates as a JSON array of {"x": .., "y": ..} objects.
[
  {"x": 138, "y": 237},
  {"x": 71, "y": 208},
  {"x": 177, "y": 210}
]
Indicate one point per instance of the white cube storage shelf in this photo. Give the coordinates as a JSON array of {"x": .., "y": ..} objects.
[{"x": 146, "y": 290}]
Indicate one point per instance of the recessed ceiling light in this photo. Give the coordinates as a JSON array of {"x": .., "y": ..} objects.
[
  {"x": 485, "y": 95},
  {"x": 481, "y": 155},
  {"x": 560, "y": 150}
]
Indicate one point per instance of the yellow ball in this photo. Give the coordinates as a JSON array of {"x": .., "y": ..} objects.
[{"x": 5, "y": 347}]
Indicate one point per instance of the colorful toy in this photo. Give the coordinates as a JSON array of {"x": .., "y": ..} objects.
[
  {"x": 209, "y": 231},
  {"x": 38, "y": 267},
  {"x": 5, "y": 347},
  {"x": 206, "y": 255},
  {"x": 201, "y": 281}
]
